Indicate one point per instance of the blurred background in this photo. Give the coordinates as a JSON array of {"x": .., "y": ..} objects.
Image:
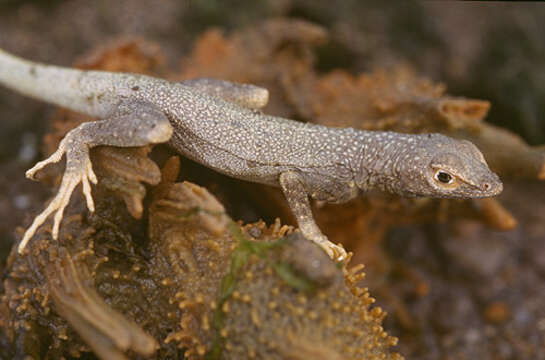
[{"x": 456, "y": 286}]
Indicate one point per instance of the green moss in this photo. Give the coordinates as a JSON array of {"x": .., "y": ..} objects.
[{"x": 292, "y": 278}]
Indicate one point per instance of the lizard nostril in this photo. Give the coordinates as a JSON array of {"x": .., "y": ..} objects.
[{"x": 487, "y": 186}]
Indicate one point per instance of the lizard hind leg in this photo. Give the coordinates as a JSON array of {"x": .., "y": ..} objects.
[
  {"x": 246, "y": 95},
  {"x": 136, "y": 124},
  {"x": 295, "y": 192}
]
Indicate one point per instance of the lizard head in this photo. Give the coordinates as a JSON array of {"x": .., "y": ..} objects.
[{"x": 447, "y": 168}]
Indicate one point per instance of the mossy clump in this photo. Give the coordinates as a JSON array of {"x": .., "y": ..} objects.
[
  {"x": 291, "y": 302},
  {"x": 186, "y": 282}
]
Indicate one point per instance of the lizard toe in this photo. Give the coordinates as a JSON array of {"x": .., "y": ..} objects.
[
  {"x": 339, "y": 253},
  {"x": 335, "y": 252},
  {"x": 55, "y": 157},
  {"x": 30, "y": 173}
]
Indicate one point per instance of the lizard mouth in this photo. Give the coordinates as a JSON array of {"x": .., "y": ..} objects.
[{"x": 492, "y": 186}]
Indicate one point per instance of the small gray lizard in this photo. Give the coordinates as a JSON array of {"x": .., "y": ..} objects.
[{"x": 219, "y": 124}]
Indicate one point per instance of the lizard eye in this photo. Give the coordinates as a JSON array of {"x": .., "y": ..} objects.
[{"x": 444, "y": 177}]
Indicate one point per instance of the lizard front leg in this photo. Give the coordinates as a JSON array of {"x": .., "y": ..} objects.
[
  {"x": 135, "y": 123},
  {"x": 295, "y": 192}
]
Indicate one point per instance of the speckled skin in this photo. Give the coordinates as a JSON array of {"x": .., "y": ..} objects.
[{"x": 219, "y": 125}]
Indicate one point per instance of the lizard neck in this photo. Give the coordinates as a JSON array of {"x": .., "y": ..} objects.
[{"x": 381, "y": 161}]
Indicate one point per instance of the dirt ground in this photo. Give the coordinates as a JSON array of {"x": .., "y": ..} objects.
[{"x": 459, "y": 280}]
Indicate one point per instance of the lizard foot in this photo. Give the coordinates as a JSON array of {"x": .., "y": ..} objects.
[
  {"x": 78, "y": 169},
  {"x": 134, "y": 123},
  {"x": 335, "y": 252}
]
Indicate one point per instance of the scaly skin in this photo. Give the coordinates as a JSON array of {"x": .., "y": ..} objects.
[{"x": 218, "y": 124}]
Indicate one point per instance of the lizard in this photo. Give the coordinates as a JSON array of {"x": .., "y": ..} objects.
[{"x": 221, "y": 125}]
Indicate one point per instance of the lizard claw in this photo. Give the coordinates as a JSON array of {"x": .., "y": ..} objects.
[
  {"x": 335, "y": 252},
  {"x": 91, "y": 174},
  {"x": 72, "y": 177}
]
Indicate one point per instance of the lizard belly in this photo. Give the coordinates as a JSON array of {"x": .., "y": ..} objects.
[{"x": 224, "y": 161}]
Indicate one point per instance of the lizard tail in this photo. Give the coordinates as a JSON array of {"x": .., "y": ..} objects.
[{"x": 56, "y": 85}]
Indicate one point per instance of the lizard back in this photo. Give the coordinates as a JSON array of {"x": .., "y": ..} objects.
[{"x": 209, "y": 124}]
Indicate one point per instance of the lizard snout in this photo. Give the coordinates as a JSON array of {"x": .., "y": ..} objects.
[{"x": 492, "y": 186}]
